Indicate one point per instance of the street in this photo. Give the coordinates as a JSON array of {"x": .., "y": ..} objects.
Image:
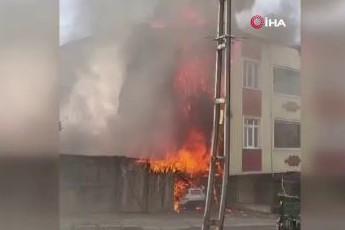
[
  {"x": 252, "y": 228},
  {"x": 195, "y": 228},
  {"x": 186, "y": 221}
]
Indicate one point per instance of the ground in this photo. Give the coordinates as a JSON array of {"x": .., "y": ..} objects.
[{"x": 185, "y": 221}]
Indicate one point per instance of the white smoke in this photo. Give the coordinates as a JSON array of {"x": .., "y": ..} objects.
[
  {"x": 260, "y": 7},
  {"x": 94, "y": 97},
  {"x": 83, "y": 18},
  {"x": 318, "y": 19},
  {"x": 290, "y": 11},
  {"x": 92, "y": 34}
]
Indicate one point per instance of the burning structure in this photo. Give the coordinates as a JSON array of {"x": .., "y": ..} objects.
[
  {"x": 177, "y": 136},
  {"x": 164, "y": 108},
  {"x": 147, "y": 94}
]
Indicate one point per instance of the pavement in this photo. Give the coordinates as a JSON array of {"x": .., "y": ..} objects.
[{"x": 184, "y": 221}]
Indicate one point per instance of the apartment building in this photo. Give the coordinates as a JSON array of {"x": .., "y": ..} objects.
[{"x": 265, "y": 125}]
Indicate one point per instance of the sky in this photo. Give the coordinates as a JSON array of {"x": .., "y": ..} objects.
[{"x": 78, "y": 18}]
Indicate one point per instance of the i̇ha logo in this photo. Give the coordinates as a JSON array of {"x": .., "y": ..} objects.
[{"x": 258, "y": 22}]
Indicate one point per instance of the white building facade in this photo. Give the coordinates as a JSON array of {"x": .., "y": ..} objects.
[{"x": 265, "y": 124}]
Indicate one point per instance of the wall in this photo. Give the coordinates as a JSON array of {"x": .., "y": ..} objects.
[
  {"x": 253, "y": 192},
  {"x": 112, "y": 184},
  {"x": 285, "y": 107},
  {"x": 270, "y": 160}
]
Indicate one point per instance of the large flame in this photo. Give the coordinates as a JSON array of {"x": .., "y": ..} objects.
[
  {"x": 191, "y": 159},
  {"x": 193, "y": 90}
]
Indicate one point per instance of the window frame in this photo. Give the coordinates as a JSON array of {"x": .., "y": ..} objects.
[
  {"x": 258, "y": 126},
  {"x": 274, "y": 134},
  {"x": 273, "y": 79},
  {"x": 244, "y": 76}
]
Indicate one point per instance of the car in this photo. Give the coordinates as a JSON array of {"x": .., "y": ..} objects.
[{"x": 194, "y": 199}]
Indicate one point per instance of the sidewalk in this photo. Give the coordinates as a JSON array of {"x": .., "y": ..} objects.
[{"x": 185, "y": 221}]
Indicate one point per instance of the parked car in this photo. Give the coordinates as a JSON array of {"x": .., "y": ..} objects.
[{"x": 193, "y": 200}]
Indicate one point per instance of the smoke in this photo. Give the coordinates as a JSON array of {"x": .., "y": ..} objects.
[
  {"x": 83, "y": 18},
  {"x": 137, "y": 75},
  {"x": 97, "y": 89},
  {"x": 92, "y": 35},
  {"x": 118, "y": 94},
  {"x": 289, "y": 11},
  {"x": 312, "y": 18}
]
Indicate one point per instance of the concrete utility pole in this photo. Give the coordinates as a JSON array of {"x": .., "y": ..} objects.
[{"x": 223, "y": 55}]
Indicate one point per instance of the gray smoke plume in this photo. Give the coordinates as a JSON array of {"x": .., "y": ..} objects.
[
  {"x": 119, "y": 60},
  {"x": 93, "y": 67},
  {"x": 117, "y": 67}
]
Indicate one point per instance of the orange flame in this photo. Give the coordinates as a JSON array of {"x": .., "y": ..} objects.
[
  {"x": 180, "y": 188},
  {"x": 192, "y": 159}
]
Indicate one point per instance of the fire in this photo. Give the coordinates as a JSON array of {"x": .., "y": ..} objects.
[
  {"x": 192, "y": 78},
  {"x": 180, "y": 187},
  {"x": 191, "y": 159},
  {"x": 191, "y": 81},
  {"x": 192, "y": 85}
]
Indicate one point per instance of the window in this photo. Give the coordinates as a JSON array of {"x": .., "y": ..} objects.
[
  {"x": 287, "y": 134},
  {"x": 286, "y": 81},
  {"x": 250, "y": 74},
  {"x": 251, "y": 133}
]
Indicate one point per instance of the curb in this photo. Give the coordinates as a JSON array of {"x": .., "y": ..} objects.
[{"x": 89, "y": 226}]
